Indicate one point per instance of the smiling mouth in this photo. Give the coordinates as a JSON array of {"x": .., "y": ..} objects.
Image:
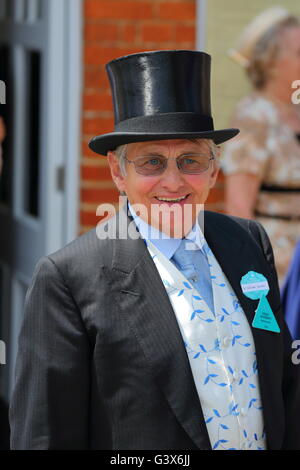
[{"x": 172, "y": 199}]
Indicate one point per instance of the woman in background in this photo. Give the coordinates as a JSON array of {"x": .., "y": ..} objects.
[{"x": 262, "y": 164}]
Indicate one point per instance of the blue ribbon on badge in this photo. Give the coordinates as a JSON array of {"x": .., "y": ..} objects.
[{"x": 255, "y": 286}]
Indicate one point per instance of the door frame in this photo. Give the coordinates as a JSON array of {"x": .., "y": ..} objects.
[{"x": 66, "y": 118}]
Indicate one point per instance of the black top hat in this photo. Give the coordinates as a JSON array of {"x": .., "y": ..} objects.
[{"x": 160, "y": 95}]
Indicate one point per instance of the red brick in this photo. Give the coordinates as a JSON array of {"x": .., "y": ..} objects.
[
  {"x": 157, "y": 33},
  {"x": 96, "y": 77},
  {"x": 95, "y": 173},
  {"x": 97, "y": 102},
  {"x": 97, "y": 125},
  {"x": 86, "y": 151},
  {"x": 128, "y": 33},
  {"x": 185, "y": 33},
  {"x": 118, "y": 9},
  {"x": 99, "y": 195},
  {"x": 177, "y": 10},
  {"x": 101, "y": 31},
  {"x": 97, "y": 54},
  {"x": 89, "y": 218}
]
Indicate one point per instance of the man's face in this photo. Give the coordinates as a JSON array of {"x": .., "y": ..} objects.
[{"x": 188, "y": 192}]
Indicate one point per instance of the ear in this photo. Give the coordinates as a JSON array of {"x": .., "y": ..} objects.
[
  {"x": 214, "y": 173},
  {"x": 115, "y": 170}
]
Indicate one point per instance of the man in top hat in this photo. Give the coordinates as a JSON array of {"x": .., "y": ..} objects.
[{"x": 162, "y": 328}]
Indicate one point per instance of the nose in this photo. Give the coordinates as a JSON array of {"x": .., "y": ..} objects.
[{"x": 172, "y": 178}]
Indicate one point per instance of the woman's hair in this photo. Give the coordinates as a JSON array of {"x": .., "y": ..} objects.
[{"x": 266, "y": 52}]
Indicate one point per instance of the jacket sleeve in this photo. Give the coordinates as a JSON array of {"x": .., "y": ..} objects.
[
  {"x": 291, "y": 372},
  {"x": 49, "y": 405}
]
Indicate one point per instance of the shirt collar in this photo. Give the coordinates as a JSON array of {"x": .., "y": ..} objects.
[{"x": 162, "y": 241}]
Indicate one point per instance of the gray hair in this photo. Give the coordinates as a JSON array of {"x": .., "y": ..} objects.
[
  {"x": 266, "y": 52},
  {"x": 121, "y": 153}
]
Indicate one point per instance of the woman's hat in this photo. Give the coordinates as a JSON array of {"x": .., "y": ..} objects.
[
  {"x": 160, "y": 95},
  {"x": 254, "y": 32}
]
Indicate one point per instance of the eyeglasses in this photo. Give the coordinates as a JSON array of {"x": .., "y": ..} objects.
[{"x": 190, "y": 164}]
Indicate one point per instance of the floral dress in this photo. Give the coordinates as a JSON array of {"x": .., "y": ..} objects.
[{"x": 269, "y": 149}]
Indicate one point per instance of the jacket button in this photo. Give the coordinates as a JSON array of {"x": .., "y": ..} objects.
[{"x": 235, "y": 375}]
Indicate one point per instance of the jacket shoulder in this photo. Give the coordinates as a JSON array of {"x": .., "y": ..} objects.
[
  {"x": 229, "y": 221},
  {"x": 85, "y": 252},
  {"x": 241, "y": 227}
]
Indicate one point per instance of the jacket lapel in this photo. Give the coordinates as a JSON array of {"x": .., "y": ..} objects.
[
  {"x": 145, "y": 301},
  {"x": 237, "y": 253}
]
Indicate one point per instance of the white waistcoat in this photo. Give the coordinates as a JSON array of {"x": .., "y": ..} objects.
[{"x": 221, "y": 353}]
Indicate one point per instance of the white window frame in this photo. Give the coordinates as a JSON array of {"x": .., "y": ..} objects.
[
  {"x": 201, "y": 17},
  {"x": 70, "y": 118}
]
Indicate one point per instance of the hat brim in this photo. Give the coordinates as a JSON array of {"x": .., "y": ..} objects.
[{"x": 104, "y": 143}]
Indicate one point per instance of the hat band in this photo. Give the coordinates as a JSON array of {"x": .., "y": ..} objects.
[{"x": 167, "y": 122}]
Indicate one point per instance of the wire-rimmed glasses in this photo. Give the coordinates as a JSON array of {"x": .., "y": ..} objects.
[{"x": 190, "y": 164}]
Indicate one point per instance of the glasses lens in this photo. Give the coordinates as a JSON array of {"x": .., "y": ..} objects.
[
  {"x": 151, "y": 165},
  {"x": 155, "y": 165},
  {"x": 194, "y": 164}
]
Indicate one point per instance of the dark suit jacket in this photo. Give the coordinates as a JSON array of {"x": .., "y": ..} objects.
[{"x": 101, "y": 361}]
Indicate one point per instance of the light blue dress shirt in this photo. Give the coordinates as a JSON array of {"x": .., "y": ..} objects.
[{"x": 188, "y": 254}]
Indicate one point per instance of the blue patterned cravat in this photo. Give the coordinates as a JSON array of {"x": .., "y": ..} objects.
[{"x": 193, "y": 264}]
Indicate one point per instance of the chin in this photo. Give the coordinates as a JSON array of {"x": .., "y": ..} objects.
[{"x": 177, "y": 229}]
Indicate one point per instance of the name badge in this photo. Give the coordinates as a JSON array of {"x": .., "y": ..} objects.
[{"x": 256, "y": 287}]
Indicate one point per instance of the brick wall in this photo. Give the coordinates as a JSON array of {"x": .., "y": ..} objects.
[{"x": 114, "y": 28}]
